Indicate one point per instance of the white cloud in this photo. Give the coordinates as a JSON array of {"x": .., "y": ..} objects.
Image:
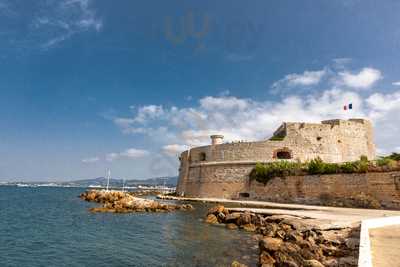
[
  {"x": 174, "y": 149},
  {"x": 364, "y": 79},
  {"x": 307, "y": 78},
  {"x": 91, "y": 160},
  {"x": 246, "y": 119},
  {"x": 302, "y": 82},
  {"x": 128, "y": 153},
  {"x": 149, "y": 112},
  {"x": 384, "y": 102},
  {"x": 242, "y": 119},
  {"x": 223, "y": 103},
  {"x": 396, "y": 83}
]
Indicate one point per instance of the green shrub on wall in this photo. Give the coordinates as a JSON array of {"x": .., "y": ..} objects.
[
  {"x": 386, "y": 161},
  {"x": 395, "y": 156},
  {"x": 264, "y": 172},
  {"x": 277, "y": 138},
  {"x": 348, "y": 167},
  {"x": 317, "y": 166}
]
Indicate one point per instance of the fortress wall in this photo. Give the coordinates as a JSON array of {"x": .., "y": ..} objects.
[
  {"x": 313, "y": 189},
  {"x": 223, "y": 181},
  {"x": 332, "y": 141},
  {"x": 222, "y": 170},
  {"x": 228, "y": 181}
]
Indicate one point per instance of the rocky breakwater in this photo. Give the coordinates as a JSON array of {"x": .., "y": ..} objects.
[
  {"x": 125, "y": 202},
  {"x": 292, "y": 241}
]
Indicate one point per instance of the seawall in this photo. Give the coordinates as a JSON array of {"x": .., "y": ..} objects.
[{"x": 231, "y": 181}]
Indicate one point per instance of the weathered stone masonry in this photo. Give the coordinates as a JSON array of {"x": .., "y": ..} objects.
[{"x": 222, "y": 170}]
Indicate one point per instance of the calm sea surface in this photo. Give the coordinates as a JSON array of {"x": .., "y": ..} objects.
[{"x": 52, "y": 227}]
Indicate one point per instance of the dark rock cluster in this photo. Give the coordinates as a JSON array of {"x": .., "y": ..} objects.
[{"x": 291, "y": 241}]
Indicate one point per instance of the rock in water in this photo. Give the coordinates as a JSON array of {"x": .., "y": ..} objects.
[
  {"x": 266, "y": 259},
  {"x": 232, "y": 226},
  {"x": 212, "y": 219},
  {"x": 238, "y": 264},
  {"x": 249, "y": 227},
  {"x": 270, "y": 243},
  {"x": 124, "y": 202},
  {"x": 232, "y": 217}
]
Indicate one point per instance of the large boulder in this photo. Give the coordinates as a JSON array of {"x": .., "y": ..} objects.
[
  {"x": 238, "y": 264},
  {"x": 217, "y": 209},
  {"x": 249, "y": 227},
  {"x": 212, "y": 219},
  {"x": 294, "y": 235},
  {"x": 232, "y": 217},
  {"x": 270, "y": 244},
  {"x": 266, "y": 260},
  {"x": 231, "y": 226},
  {"x": 270, "y": 229},
  {"x": 245, "y": 218},
  {"x": 312, "y": 263}
]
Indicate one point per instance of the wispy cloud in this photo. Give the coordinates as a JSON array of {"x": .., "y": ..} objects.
[
  {"x": 396, "y": 83},
  {"x": 305, "y": 79},
  {"x": 91, "y": 160},
  {"x": 60, "y": 20},
  {"x": 341, "y": 63},
  {"x": 128, "y": 153}
]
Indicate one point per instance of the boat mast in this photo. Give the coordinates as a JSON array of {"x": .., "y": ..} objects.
[
  {"x": 108, "y": 179},
  {"x": 164, "y": 189}
]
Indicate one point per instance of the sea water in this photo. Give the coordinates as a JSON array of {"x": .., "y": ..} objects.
[{"x": 53, "y": 227}]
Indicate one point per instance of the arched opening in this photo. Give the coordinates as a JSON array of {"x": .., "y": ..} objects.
[
  {"x": 283, "y": 154},
  {"x": 202, "y": 156},
  {"x": 244, "y": 195}
]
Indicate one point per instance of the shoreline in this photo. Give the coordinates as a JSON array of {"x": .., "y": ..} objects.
[
  {"x": 320, "y": 218},
  {"x": 286, "y": 240}
]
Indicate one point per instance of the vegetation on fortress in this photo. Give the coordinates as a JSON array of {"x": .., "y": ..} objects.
[{"x": 264, "y": 172}]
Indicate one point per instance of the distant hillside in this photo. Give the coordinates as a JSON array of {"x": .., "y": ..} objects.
[{"x": 102, "y": 181}]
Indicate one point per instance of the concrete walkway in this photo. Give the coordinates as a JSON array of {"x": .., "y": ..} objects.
[
  {"x": 385, "y": 246},
  {"x": 333, "y": 215}
]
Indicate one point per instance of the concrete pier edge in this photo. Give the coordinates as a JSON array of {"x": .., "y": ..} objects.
[{"x": 365, "y": 253}]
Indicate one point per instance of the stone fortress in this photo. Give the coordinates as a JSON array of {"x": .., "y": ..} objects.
[{"x": 221, "y": 170}]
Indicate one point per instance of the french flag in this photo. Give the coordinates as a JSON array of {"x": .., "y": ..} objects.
[{"x": 348, "y": 107}]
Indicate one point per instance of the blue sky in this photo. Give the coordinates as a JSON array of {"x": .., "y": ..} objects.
[{"x": 87, "y": 85}]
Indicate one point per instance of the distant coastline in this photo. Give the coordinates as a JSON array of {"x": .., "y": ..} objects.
[{"x": 100, "y": 182}]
